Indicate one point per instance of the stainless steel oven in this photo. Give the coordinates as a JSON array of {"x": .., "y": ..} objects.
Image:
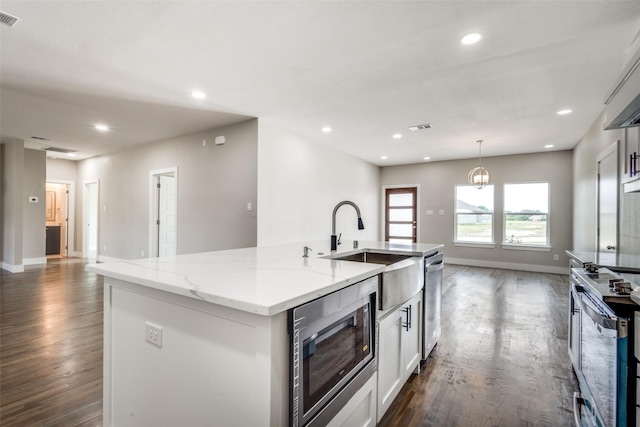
[
  {"x": 333, "y": 352},
  {"x": 602, "y": 365}
]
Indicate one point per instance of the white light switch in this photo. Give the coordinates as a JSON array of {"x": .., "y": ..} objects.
[
  {"x": 249, "y": 206},
  {"x": 441, "y": 212},
  {"x": 429, "y": 212}
]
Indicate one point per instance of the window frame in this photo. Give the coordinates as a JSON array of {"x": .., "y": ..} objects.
[
  {"x": 526, "y": 246},
  {"x": 472, "y": 243}
]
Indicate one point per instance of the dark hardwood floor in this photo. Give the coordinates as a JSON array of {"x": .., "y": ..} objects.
[
  {"x": 51, "y": 346},
  {"x": 501, "y": 360}
]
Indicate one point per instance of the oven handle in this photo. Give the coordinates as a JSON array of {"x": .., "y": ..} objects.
[
  {"x": 578, "y": 401},
  {"x": 604, "y": 321}
]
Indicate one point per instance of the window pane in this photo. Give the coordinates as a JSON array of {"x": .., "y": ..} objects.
[
  {"x": 475, "y": 228},
  {"x": 401, "y": 199},
  {"x": 400, "y": 214},
  {"x": 471, "y": 199},
  {"x": 401, "y": 241},
  {"x": 526, "y": 229},
  {"x": 530, "y": 197},
  {"x": 401, "y": 230},
  {"x": 474, "y": 218}
]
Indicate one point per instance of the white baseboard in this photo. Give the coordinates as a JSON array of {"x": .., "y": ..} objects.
[
  {"x": 509, "y": 265},
  {"x": 34, "y": 261},
  {"x": 13, "y": 268},
  {"x": 102, "y": 258}
]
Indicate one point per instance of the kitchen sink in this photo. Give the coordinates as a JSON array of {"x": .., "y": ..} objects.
[{"x": 401, "y": 280}]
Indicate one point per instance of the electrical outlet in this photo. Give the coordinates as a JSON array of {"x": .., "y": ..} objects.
[
  {"x": 153, "y": 334},
  {"x": 142, "y": 252},
  {"x": 556, "y": 257}
]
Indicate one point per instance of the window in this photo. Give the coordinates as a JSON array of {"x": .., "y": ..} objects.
[
  {"x": 400, "y": 207},
  {"x": 526, "y": 214},
  {"x": 474, "y": 214}
]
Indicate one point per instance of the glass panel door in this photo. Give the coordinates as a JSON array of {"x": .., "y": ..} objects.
[{"x": 400, "y": 215}]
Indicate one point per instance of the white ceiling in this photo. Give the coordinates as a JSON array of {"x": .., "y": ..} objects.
[{"x": 367, "y": 69}]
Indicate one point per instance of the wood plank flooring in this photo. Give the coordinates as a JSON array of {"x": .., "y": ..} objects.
[
  {"x": 51, "y": 346},
  {"x": 501, "y": 360}
]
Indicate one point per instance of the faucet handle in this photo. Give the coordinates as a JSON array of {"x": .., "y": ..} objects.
[
  {"x": 339, "y": 237},
  {"x": 305, "y": 251}
]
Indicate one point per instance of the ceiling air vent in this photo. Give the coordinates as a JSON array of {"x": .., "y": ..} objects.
[
  {"x": 40, "y": 138},
  {"x": 420, "y": 127},
  {"x": 58, "y": 150},
  {"x": 7, "y": 19}
]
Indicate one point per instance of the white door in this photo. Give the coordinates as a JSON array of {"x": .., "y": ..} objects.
[
  {"x": 607, "y": 189},
  {"x": 167, "y": 201},
  {"x": 91, "y": 220}
]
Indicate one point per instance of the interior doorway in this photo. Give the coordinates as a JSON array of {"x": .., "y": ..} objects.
[
  {"x": 163, "y": 212},
  {"x": 59, "y": 220},
  {"x": 91, "y": 219},
  {"x": 607, "y": 201}
]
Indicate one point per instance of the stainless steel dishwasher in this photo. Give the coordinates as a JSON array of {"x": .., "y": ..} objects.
[{"x": 432, "y": 297}]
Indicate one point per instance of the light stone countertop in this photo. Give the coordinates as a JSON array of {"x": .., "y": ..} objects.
[{"x": 264, "y": 280}]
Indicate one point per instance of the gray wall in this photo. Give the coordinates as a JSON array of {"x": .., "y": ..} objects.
[
  {"x": 437, "y": 183},
  {"x": 214, "y": 185},
  {"x": 12, "y": 191},
  {"x": 585, "y": 154},
  {"x": 33, "y": 226}
]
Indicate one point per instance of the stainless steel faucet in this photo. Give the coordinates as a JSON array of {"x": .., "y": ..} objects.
[{"x": 334, "y": 238}]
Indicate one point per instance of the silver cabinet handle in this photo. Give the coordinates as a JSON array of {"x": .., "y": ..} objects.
[{"x": 407, "y": 325}]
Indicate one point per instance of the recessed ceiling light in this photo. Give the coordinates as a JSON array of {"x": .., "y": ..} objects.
[
  {"x": 384, "y": 157},
  {"x": 471, "y": 38},
  {"x": 427, "y": 158},
  {"x": 71, "y": 154},
  {"x": 326, "y": 129},
  {"x": 198, "y": 95},
  {"x": 563, "y": 112},
  {"x": 548, "y": 146},
  {"x": 397, "y": 136},
  {"x": 102, "y": 128}
]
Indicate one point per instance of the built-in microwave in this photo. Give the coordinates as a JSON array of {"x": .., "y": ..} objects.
[{"x": 332, "y": 351}]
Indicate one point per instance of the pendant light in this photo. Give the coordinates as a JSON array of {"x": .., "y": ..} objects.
[{"x": 479, "y": 176}]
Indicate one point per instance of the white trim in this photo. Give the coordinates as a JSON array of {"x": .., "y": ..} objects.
[
  {"x": 13, "y": 268},
  {"x": 102, "y": 258},
  {"x": 71, "y": 214},
  {"x": 541, "y": 248},
  {"x": 474, "y": 244},
  {"x": 34, "y": 261},
  {"x": 508, "y": 265}
]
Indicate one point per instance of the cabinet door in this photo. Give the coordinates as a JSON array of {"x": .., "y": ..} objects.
[
  {"x": 390, "y": 359},
  {"x": 412, "y": 338}
]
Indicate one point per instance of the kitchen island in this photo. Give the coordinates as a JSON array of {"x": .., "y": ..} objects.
[{"x": 202, "y": 339}]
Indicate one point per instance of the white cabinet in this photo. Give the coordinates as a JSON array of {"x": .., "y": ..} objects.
[{"x": 399, "y": 351}]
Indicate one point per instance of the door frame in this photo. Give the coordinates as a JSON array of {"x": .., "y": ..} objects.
[
  {"x": 614, "y": 150},
  {"x": 85, "y": 217},
  {"x": 154, "y": 176},
  {"x": 383, "y": 213},
  {"x": 71, "y": 214}
]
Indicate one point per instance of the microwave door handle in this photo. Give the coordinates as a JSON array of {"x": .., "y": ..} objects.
[
  {"x": 604, "y": 321},
  {"x": 578, "y": 401}
]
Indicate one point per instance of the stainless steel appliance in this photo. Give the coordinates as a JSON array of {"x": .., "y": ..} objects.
[
  {"x": 332, "y": 353},
  {"x": 432, "y": 297},
  {"x": 602, "y": 352}
]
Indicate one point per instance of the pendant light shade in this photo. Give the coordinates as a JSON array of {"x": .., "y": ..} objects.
[{"x": 479, "y": 177}]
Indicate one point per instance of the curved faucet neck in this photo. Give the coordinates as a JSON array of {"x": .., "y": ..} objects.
[{"x": 335, "y": 210}]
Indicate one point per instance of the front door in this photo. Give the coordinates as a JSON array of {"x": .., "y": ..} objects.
[{"x": 401, "y": 224}]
